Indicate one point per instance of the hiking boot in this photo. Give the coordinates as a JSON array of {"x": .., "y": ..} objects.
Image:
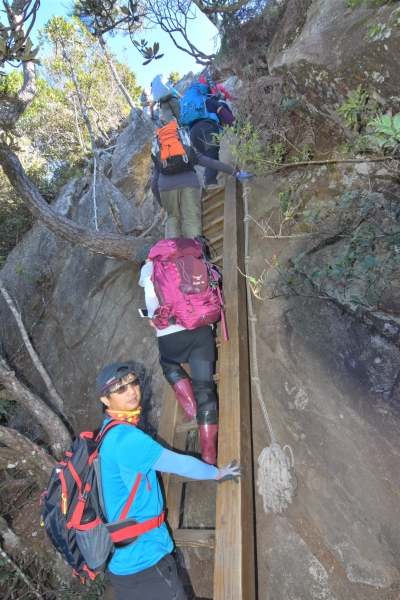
[
  {"x": 184, "y": 394},
  {"x": 208, "y": 443}
]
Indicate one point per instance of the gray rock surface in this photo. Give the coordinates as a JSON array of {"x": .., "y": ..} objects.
[
  {"x": 324, "y": 50},
  {"x": 330, "y": 384}
]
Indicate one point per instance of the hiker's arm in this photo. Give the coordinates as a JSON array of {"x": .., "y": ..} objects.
[
  {"x": 205, "y": 161},
  {"x": 150, "y": 296},
  {"x": 177, "y": 93},
  {"x": 149, "y": 293},
  {"x": 228, "y": 95},
  {"x": 184, "y": 465},
  {"x": 188, "y": 466},
  {"x": 151, "y": 109}
]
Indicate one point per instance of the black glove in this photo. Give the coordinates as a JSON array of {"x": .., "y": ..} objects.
[{"x": 230, "y": 472}]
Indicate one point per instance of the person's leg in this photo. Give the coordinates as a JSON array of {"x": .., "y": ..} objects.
[
  {"x": 211, "y": 150},
  {"x": 191, "y": 209},
  {"x": 201, "y": 135},
  {"x": 160, "y": 582},
  {"x": 197, "y": 136},
  {"x": 201, "y": 369},
  {"x": 207, "y": 418},
  {"x": 182, "y": 388},
  {"x": 175, "y": 107},
  {"x": 204, "y": 392},
  {"x": 168, "y": 114},
  {"x": 166, "y": 567},
  {"x": 170, "y": 202}
]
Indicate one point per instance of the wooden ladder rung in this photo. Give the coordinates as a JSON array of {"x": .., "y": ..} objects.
[
  {"x": 213, "y": 207},
  {"x": 181, "y": 479},
  {"x": 194, "y": 537},
  {"x": 190, "y": 426},
  {"x": 218, "y": 238},
  {"x": 219, "y": 191},
  {"x": 216, "y": 221}
]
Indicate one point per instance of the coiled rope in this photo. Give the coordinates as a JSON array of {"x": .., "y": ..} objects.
[{"x": 274, "y": 463}]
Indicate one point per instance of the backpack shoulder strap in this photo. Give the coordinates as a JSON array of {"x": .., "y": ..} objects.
[{"x": 132, "y": 495}]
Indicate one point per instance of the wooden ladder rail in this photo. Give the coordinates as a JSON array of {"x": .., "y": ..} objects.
[{"x": 233, "y": 537}]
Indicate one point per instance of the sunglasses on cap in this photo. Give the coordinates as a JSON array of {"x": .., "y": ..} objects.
[{"x": 123, "y": 388}]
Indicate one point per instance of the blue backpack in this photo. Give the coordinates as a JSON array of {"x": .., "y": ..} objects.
[{"x": 193, "y": 105}]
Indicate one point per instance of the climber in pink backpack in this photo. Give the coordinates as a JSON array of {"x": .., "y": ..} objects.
[{"x": 183, "y": 300}]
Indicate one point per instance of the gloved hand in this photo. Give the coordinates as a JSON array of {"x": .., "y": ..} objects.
[
  {"x": 230, "y": 472},
  {"x": 242, "y": 176}
]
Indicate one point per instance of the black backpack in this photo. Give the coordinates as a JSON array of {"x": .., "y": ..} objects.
[{"x": 73, "y": 511}]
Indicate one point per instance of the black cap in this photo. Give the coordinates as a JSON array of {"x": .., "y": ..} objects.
[{"x": 112, "y": 374}]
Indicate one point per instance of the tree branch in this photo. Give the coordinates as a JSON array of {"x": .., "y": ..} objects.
[
  {"x": 108, "y": 244},
  {"x": 32, "y": 459},
  {"x": 59, "y": 438},
  {"x": 114, "y": 72},
  {"x": 56, "y": 398}
]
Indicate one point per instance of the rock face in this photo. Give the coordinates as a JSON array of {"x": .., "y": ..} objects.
[
  {"x": 80, "y": 307},
  {"x": 324, "y": 50},
  {"x": 330, "y": 383},
  {"x": 131, "y": 159}
]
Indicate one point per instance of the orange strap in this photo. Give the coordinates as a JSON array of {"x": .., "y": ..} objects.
[{"x": 138, "y": 529}]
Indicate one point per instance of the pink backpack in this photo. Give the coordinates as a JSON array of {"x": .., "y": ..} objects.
[{"x": 186, "y": 285}]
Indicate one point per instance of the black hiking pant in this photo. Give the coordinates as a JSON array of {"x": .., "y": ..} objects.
[
  {"x": 160, "y": 582},
  {"x": 201, "y": 135}
]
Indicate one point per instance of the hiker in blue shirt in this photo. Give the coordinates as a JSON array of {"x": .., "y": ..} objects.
[{"x": 145, "y": 569}]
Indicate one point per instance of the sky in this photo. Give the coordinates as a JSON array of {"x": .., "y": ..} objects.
[{"x": 201, "y": 31}]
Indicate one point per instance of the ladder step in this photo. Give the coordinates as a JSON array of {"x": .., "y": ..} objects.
[
  {"x": 190, "y": 426},
  {"x": 214, "y": 207},
  {"x": 219, "y": 191},
  {"x": 181, "y": 479},
  {"x": 216, "y": 221},
  {"x": 217, "y": 238},
  {"x": 194, "y": 537}
]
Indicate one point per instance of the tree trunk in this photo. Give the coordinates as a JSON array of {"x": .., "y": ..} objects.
[
  {"x": 80, "y": 99},
  {"x": 59, "y": 438},
  {"x": 108, "y": 244},
  {"x": 113, "y": 70},
  {"x": 12, "y": 108},
  {"x": 32, "y": 459}
]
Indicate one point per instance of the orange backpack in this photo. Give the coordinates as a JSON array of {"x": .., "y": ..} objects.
[{"x": 172, "y": 151}]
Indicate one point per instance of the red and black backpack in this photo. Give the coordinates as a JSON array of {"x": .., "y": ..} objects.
[{"x": 73, "y": 511}]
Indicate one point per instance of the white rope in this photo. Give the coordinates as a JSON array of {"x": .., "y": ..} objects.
[
  {"x": 274, "y": 463},
  {"x": 94, "y": 194}
]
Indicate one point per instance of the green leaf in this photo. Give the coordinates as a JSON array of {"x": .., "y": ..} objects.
[
  {"x": 396, "y": 121},
  {"x": 125, "y": 10},
  {"x": 146, "y": 62},
  {"x": 156, "y": 47},
  {"x": 298, "y": 259},
  {"x": 355, "y": 299}
]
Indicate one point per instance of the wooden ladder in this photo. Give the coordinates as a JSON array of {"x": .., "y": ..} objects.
[{"x": 232, "y": 533}]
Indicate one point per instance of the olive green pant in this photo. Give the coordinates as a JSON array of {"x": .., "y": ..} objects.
[
  {"x": 184, "y": 208},
  {"x": 171, "y": 109}
]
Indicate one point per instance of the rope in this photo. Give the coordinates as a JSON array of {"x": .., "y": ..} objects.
[{"x": 274, "y": 463}]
